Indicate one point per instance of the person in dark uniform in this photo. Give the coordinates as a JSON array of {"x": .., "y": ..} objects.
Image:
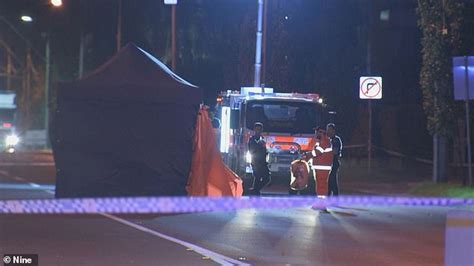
[
  {"x": 258, "y": 151},
  {"x": 336, "y": 143}
]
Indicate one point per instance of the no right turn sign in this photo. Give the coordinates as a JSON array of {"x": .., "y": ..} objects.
[{"x": 370, "y": 88}]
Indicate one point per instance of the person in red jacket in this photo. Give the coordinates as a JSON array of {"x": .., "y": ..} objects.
[{"x": 322, "y": 161}]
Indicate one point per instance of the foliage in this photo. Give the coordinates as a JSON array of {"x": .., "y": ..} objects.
[{"x": 440, "y": 23}]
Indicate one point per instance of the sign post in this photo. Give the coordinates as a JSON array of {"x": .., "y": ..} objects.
[
  {"x": 463, "y": 88},
  {"x": 468, "y": 128},
  {"x": 370, "y": 88}
]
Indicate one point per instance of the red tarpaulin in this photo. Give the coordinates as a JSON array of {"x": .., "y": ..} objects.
[{"x": 209, "y": 175}]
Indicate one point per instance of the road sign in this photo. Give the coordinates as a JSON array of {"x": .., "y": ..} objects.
[
  {"x": 370, "y": 87},
  {"x": 171, "y": 2},
  {"x": 461, "y": 92}
]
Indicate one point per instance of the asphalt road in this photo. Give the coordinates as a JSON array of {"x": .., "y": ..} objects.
[{"x": 302, "y": 236}]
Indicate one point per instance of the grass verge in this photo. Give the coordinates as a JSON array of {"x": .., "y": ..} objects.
[{"x": 442, "y": 190}]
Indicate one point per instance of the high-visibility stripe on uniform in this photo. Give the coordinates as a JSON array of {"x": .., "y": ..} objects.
[
  {"x": 328, "y": 150},
  {"x": 313, "y": 153},
  {"x": 320, "y": 149},
  {"x": 322, "y": 167}
]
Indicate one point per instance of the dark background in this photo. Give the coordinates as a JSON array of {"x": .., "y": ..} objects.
[{"x": 312, "y": 46}]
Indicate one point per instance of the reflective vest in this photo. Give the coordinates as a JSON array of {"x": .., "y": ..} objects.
[{"x": 322, "y": 154}]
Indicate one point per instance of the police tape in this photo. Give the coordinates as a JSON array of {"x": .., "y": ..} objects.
[{"x": 142, "y": 205}]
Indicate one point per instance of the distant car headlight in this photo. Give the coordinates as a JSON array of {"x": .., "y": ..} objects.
[{"x": 12, "y": 140}]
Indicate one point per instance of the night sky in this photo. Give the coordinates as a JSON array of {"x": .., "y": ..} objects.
[{"x": 313, "y": 46}]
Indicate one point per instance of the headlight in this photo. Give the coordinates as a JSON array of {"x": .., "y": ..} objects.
[
  {"x": 12, "y": 140},
  {"x": 248, "y": 157}
]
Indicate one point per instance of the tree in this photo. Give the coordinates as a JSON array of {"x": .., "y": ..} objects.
[{"x": 440, "y": 23}]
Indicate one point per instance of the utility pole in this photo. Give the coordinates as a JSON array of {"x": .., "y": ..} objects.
[
  {"x": 173, "y": 4},
  {"x": 264, "y": 42},
  {"x": 369, "y": 73},
  {"x": 81, "y": 55},
  {"x": 28, "y": 82},
  {"x": 119, "y": 25},
  {"x": 82, "y": 13},
  {"x": 173, "y": 37},
  {"x": 9, "y": 69},
  {"x": 46, "y": 88},
  {"x": 258, "y": 48}
]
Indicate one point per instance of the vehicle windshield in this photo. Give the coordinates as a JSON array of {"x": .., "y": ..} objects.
[{"x": 283, "y": 116}]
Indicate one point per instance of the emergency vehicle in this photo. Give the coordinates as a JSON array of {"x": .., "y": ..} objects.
[
  {"x": 288, "y": 121},
  {"x": 8, "y": 139}
]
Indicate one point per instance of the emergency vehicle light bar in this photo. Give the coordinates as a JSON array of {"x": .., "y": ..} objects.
[
  {"x": 310, "y": 96},
  {"x": 247, "y": 91}
]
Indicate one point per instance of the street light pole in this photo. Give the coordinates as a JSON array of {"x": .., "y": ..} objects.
[
  {"x": 119, "y": 25},
  {"x": 47, "y": 76},
  {"x": 81, "y": 56},
  {"x": 264, "y": 42},
  {"x": 9, "y": 69},
  {"x": 258, "y": 48},
  {"x": 82, "y": 13},
  {"x": 369, "y": 73},
  {"x": 46, "y": 88},
  {"x": 173, "y": 37},
  {"x": 173, "y": 4}
]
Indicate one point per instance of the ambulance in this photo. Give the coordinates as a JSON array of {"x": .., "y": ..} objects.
[{"x": 289, "y": 120}]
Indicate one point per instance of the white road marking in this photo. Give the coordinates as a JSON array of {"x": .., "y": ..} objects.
[
  {"x": 27, "y": 164},
  {"x": 34, "y": 185},
  {"x": 17, "y": 178},
  {"x": 24, "y": 186},
  {"x": 219, "y": 258}
]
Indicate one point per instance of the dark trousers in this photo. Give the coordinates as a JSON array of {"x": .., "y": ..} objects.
[
  {"x": 261, "y": 177},
  {"x": 333, "y": 183}
]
